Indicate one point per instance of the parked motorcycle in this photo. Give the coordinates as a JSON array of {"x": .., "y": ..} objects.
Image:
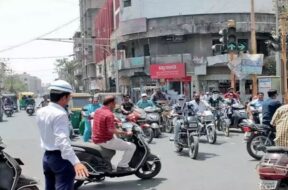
[
  {"x": 273, "y": 170},
  {"x": 30, "y": 109},
  {"x": 8, "y": 110},
  {"x": 188, "y": 135},
  {"x": 98, "y": 159},
  {"x": 10, "y": 173},
  {"x": 153, "y": 119},
  {"x": 259, "y": 137}
]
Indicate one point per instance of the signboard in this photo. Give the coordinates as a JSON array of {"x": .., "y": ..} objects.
[
  {"x": 252, "y": 64},
  {"x": 167, "y": 71},
  {"x": 265, "y": 83},
  {"x": 184, "y": 79}
]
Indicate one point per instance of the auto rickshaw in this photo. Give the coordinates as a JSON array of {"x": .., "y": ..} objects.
[
  {"x": 13, "y": 97},
  {"x": 22, "y": 99},
  {"x": 77, "y": 102}
]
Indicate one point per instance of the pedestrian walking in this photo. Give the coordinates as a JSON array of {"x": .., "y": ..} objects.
[{"x": 60, "y": 164}]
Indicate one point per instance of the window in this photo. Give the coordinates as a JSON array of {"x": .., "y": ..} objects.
[
  {"x": 100, "y": 69},
  {"x": 133, "y": 52},
  {"x": 127, "y": 3},
  {"x": 261, "y": 47},
  {"x": 146, "y": 50}
]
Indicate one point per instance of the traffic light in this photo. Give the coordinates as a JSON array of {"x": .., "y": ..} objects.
[
  {"x": 222, "y": 46},
  {"x": 274, "y": 43},
  {"x": 231, "y": 36}
]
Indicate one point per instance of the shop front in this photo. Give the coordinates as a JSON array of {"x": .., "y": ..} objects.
[{"x": 172, "y": 77}]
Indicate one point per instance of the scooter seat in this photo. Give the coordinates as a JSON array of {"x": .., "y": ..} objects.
[
  {"x": 277, "y": 149},
  {"x": 95, "y": 149}
]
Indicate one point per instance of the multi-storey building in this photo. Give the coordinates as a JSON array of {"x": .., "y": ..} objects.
[
  {"x": 85, "y": 71},
  {"x": 33, "y": 83},
  {"x": 183, "y": 32}
]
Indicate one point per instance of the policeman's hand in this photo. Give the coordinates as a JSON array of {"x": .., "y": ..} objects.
[{"x": 81, "y": 170}]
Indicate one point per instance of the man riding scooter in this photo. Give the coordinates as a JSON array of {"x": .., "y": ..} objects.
[
  {"x": 104, "y": 132},
  {"x": 254, "y": 108},
  {"x": 127, "y": 106},
  {"x": 144, "y": 102}
]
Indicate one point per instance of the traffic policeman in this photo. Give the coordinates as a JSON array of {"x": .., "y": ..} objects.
[{"x": 60, "y": 164}]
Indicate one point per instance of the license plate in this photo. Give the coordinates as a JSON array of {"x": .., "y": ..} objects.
[{"x": 268, "y": 184}]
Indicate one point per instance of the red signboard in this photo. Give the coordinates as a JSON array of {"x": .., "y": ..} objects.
[
  {"x": 184, "y": 79},
  {"x": 167, "y": 71}
]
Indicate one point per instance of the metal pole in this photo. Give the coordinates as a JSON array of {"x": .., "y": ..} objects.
[
  {"x": 232, "y": 75},
  {"x": 253, "y": 46},
  {"x": 277, "y": 54},
  {"x": 284, "y": 56},
  {"x": 117, "y": 68}
]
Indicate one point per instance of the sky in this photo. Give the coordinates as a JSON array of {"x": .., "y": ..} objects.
[{"x": 22, "y": 20}]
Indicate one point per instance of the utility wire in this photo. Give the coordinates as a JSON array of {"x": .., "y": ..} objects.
[
  {"x": 30, "y": 58},
  {"x": 43, "y": 35}
]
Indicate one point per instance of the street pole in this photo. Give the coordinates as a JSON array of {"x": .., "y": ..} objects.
[
  {"x": 283, "y": 21},
  {"x": 277, "y": 53},
  {"x": 253, "y": 46},
  {"x": 232, "y": 75},
  {"x": 117, "y": 68}
]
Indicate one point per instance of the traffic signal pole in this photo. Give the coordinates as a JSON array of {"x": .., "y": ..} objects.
[{"x": 253, "y": 46}]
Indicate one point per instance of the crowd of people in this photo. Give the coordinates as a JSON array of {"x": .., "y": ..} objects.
[{"x": 59, "y": 158}]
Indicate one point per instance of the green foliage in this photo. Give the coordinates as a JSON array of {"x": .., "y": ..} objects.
[
  {"x": 14, "y": 84},
  {"x": 65, "y": 69},
  {"x": 269, "y": 67}
]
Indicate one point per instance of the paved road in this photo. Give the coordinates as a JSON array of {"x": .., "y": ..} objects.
[{"x": 223, "y": 166}]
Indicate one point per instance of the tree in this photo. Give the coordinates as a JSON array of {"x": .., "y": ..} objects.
[
  {"x": 269, "y": 67},
  {"x": 65, "y": 69},
  {"x": 13, "y": 84}
]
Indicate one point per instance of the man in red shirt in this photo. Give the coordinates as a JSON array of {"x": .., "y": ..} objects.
[
  {"x": 104, "y": 133},
  {"x": 231, "y": 91}
]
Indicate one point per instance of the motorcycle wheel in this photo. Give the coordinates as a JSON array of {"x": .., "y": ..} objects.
[
  {"x": 157, "y": 133},
  {"x": 148, "y": 134},
  {"x": 225, "y": 128},
  {"x": 178, "y": 147},
  {"x": 211, "y": 135},
  {"x": 193, "y": 147},
  {"x": 78, "y": 184},
  {"x": 150, "y": 168},
  {"x": 255, "y": 142},
  {"x": 169, "y": 126}
]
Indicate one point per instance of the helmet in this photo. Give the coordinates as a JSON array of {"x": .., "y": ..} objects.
[
  {"x": 144, "y": 95},
  {"x": 181, "y": 97},
  {"x": 61, "y": 85},
  {"x": 96, "y": 96}
]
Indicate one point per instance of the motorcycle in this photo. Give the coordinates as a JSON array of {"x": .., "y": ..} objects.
[
  {"x": 207, "y": 127},
  {"x": 153, "y": 119},
  {"x": 10, "y": 173},
  {"x": 257, "y": 114},
  {"x": 98, "y": 159},
  {"x": 222, "y": 122},
  {"x": 188, "y": 135},
  {"x": 30, "y": 110},
  {"x": 138, "y": 116},
  {"x": 259, "y": 137},
  {"x": 8, "y": 110},
  {"x": 273, "y": 170},
  {"x": 238, "y": 115}
]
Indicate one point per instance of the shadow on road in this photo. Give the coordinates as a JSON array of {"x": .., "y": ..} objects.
[
  {"x": 204, "y": 156},
  {"x": 127, "y": 185}
]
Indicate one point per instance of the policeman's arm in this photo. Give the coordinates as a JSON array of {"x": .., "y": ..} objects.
[{"x": 62, "y": 141}]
